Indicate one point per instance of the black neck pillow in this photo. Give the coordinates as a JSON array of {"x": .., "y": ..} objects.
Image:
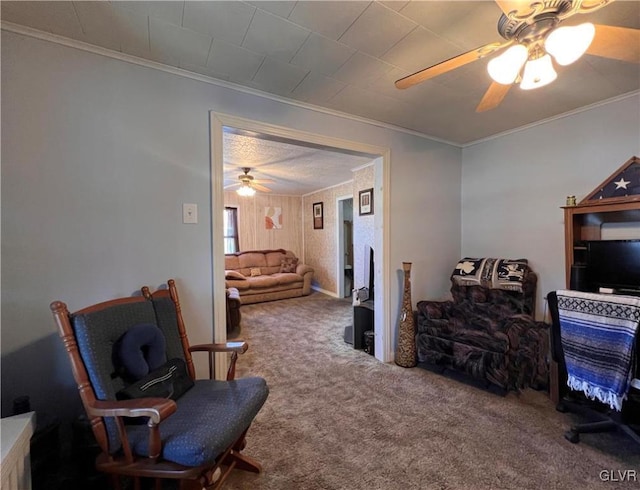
[{"x": 140, "y": 350}]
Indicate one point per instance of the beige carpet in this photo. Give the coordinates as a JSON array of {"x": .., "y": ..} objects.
[{"x": 336, "y": 418}]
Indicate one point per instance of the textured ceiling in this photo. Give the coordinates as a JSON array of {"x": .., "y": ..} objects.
[
  {"x": 294, "y": 169},
  {"x": 343, "y": 56}
]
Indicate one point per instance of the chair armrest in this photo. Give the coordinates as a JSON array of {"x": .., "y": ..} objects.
[
  {"x": 434, "y": 310},
  {"x": 157, "y": 409},
  {"x": 302, "y": 269},
  {"x": 528, "y": 350},
  {"x": 239, "y": 347},
  {"x": 520, "y": 327},
  {"x": 434, "y": 317},
  {"x": 234, "y": 347}
]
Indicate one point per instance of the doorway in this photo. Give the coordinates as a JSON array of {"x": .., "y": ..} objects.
[
  {"x": 344, "y": 249},
  {"x": 383, "y": 323}
]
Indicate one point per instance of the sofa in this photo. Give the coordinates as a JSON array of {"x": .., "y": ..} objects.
[
  {"x": 267, "y": 275},
  {"x": 487, "y": 331}
]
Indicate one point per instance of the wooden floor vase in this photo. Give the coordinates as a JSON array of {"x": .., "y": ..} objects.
[{"x": 406, "y": 349}]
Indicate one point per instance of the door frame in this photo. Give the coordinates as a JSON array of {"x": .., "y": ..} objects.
[
  {"x": 340, "y": 251},
  {"x": 382, "y": 317}
]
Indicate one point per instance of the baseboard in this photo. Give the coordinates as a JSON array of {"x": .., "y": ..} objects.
[{"x": 323, "y": 291}]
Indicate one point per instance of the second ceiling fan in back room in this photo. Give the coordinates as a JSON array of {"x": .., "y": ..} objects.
[
  {"x": 535, "y": 39},
  {"x": 248, "y": 184}
]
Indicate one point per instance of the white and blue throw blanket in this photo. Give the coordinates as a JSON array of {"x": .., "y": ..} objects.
[
  {"x": 598, "y": 333},
  {"x": 491, "y": 273}
]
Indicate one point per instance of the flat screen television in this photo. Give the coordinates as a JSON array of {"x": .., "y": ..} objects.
[
  {"x": 369, "y": 270},
  {"x": 614, "y": 264}
]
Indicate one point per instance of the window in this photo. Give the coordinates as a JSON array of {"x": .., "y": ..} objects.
[{"x": 231, "y": 230}]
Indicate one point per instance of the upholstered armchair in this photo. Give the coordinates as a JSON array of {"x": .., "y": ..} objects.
[
  {"x": 132, "y": 362},
  {"x": 487, "y": 331},
  {"x": 233, "y": 311}
]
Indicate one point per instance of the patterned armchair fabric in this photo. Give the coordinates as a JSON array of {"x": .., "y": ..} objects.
[
  {"x": 486, "y": 332},
  {"x": 233, "y": 311}
]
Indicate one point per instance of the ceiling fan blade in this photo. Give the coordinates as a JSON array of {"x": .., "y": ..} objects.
[
  {"x": 260, "y": 187},
  {"x": 232, "y": 185},
  {"x": 508, "y": 6},
  {"x": 619, "y": 43},
  {"x": 492, "y": 97},
  {"x": 448, "y": 65},
  {"x": 263, "y": 181}
]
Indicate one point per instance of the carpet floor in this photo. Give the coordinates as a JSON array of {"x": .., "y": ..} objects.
[{"x": 336, "y": 418}]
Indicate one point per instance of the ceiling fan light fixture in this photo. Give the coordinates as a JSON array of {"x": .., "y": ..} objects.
[
  {"x": 568, "y": 43},
  {"x": 505, "y": 68},
  {"x": 538, "y": 73},
  {"x": 246, "y": 190}
]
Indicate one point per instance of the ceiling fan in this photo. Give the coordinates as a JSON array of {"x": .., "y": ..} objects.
[
  {"x": 248, "y": 184},
  {"x": 535, "y": 38}
]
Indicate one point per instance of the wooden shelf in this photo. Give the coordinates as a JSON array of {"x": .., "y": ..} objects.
[{"x": 584, "y": 222}]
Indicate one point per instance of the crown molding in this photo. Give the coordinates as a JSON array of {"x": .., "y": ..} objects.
[
  {"x": 553, "y": 118},
  {"x": 73, "y": 43},
  {"x": 363, "y": 166},
  {"x": 265, "y": 194},
  {"x": 128, "y": 58},
  {"x": 327, "y": 188}
]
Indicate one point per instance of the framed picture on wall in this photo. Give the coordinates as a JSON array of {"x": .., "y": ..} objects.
[
  {"x": 318, "y": 216},
  {"x": 366, "y": 202}
]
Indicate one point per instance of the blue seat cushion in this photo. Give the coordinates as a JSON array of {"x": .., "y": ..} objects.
[{"x": 210, "y": 417}]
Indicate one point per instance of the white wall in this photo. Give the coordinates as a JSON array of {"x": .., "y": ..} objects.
[
  {"x": 252, "y": 232},
  {"x": 320, "y": 244},
  {"x": 513, "y": 186},
  {"x": 98, "y": 155}
]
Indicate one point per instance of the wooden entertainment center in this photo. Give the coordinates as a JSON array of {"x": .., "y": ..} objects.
[{"x": 583, "y": 222}]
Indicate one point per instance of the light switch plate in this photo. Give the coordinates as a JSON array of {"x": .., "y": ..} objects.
[{"x": 189, "y": 213}]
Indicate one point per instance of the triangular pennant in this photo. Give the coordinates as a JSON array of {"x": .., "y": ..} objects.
[{"x": 622, "y": 185}]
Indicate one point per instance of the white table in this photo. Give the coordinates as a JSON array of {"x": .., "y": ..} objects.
[{"x": 15, "y": 436}]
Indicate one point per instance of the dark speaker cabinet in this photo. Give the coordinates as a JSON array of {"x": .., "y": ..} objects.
[{"x": 362, "y": 321}]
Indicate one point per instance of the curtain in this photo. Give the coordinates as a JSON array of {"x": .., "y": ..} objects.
[{"x": 231, "y": 230}]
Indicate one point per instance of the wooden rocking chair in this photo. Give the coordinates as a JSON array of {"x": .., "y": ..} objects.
[{"x": 197, "y": 438}]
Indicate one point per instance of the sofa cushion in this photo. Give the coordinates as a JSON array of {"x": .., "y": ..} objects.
[
  {"x": 288, "y": 264},
  {"x": 235, "y": 275},
  {"x": 252, "y": 259},
  {"x": 287, "y": 278},
  {"x": 210, "y": 417},
  {"x": 273, "y": 258},
  {"x": 231, "y": 262},
  {"x": 242, "y": 285},
  {"x": 280, "y": 288},
  {"x": 263, "y": 281},
  {"x": 255, "y": 272}
]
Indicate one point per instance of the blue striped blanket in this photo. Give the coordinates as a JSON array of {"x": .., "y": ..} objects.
[{"x": 598, "y": 333}]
